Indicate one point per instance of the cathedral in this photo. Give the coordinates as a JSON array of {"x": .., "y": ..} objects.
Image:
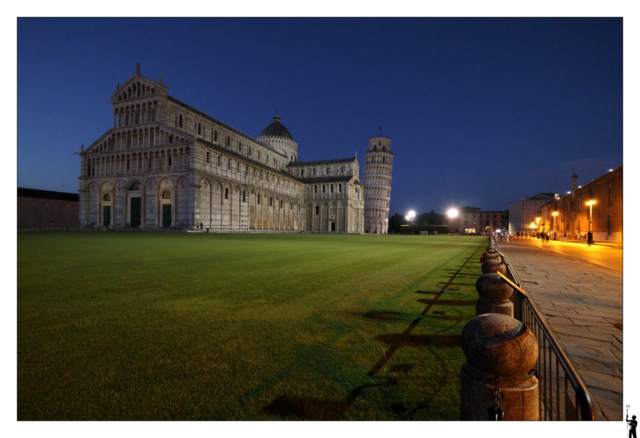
[{"x": 166, "y": 165}]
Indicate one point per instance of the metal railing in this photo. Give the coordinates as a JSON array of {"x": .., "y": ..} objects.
[{"x": 563, "y": 395}]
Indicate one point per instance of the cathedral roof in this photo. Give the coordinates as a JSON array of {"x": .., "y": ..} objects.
[
  {"x": 320, "y": 162},
  {"x": 276, "y": 129},
  {"x": 327, "y": 179}
]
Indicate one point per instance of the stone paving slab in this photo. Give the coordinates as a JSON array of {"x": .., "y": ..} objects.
[{"x": 581, "y": 302}]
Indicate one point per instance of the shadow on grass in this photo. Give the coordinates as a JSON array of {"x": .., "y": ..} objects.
[
  {"x": 310, "y": 408},
  {"x": 448, "y": 302},
  {"x": 318, "y": 409}
]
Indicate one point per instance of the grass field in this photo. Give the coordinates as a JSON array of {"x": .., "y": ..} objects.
[{"x": 151, "y": 326}]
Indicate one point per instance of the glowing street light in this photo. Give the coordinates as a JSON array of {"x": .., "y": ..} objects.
[
  {"x": 554, "y": 214},
  {"x": 410, "y": 215},
  {"x": 452, "y": 213},
  {"x": 590, "y": 235}
]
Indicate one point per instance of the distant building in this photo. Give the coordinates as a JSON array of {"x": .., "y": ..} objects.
[
  {"x": 46, "y": 209},
  {"x": 472, "y": 220},
  {"x": 378, "y": 164},
  {"x": 573, "y": 212},
  {"x": 165, "y": 164},
  {"x": 524, "y": 212}
]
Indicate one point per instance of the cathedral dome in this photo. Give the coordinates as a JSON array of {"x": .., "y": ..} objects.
[{"x": 276, "y": 129}]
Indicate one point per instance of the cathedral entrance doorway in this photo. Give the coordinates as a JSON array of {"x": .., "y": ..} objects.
[
  {"x": 333, "y": 226},
  {"x": 106, "y": 215},
  {"x": 136, "y": 212},
  {"x": 166, "y": 215}
]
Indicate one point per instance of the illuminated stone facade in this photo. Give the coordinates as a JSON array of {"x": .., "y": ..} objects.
[{"x": 164, "y": 164}]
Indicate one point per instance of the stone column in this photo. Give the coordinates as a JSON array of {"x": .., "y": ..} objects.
[
  {"x": 501, "y": 353},
  {"x": 113, "y": 207},
  {"x": 143, "y": 207},
  {"x": 494, "y": 295}
]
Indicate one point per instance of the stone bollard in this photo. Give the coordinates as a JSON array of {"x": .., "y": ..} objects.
[
  {"x": 494, "y": 265},
  {"x": 500, "y": 353},
  {"x": 490, "y": 256},
  {"x": 494, "y": 295}
]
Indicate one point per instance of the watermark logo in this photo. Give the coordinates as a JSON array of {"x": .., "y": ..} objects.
[{"x": 632, "y": 424}]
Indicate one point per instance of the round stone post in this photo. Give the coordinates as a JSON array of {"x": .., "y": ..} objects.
[
  {"x": 501, "y": 353},
  {"x": 494, "y": 295},
  {"x": 494, "y": 265}
]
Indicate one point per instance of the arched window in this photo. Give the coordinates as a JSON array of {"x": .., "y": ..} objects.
[
  {"x": 228, "y": 141},
  {"x": 208, "y": 157},
  {"x": 302, "y": 172},
  {"x": 106, "y": 197},
  {"x": 180, "y": 120},
  {"x": 258, "y": 199},
  {"x": 331, "y": 188},
  {"x": 375, "y": 148},
  {"x": 215, "y": 135},
  {"x": 219, "y": 160},
  {"x": 314, "y": 170},
  {"x": 226, "y": 193},
  {"x": 150, "y": 164},
  {"x": 324, "y": 188},
  {"x": 229, "y": 164},
  {"x": 135, "y": 187},
  {"x": 240, "y": 146},
  {"x": 244, "y": 196},
  {"x": 169, "y": 160},
  {"x": 327, "y": 170},
  {"x": 270, "y": 202},
  {"x": 317, "y": 209},
  {"x": 342, "y": 169},
  {"x": 199, "y": 129},
  {"x": 281, "y": 203},
  {"x": 166, "y": 194}
]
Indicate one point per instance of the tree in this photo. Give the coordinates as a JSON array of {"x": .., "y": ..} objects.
[{"x": 395, "y": 222}]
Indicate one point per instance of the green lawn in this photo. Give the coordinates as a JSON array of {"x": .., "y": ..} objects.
[{"x": 149, "y": 326}]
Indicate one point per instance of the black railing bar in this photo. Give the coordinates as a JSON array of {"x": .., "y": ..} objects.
[{"x": 582, "y": 395}]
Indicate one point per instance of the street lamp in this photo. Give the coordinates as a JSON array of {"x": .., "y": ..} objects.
[
  {"x": 554, "y": 214},
  {"x": 590, "y": 235},
  {"x": 452, "y": 213},
  {"x": 409, "y": 216}
]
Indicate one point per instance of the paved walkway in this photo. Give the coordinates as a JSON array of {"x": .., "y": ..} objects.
[
  {"x": 582, "y": 302},
  {"x": 609, "y": 256}
]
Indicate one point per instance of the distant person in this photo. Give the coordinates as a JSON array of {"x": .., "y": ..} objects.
[
  {"x": 547, "y": 236},
  {"x": 200, "y": 226}
]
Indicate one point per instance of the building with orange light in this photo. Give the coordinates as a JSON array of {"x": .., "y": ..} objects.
[{"x": 572, "y": 219}]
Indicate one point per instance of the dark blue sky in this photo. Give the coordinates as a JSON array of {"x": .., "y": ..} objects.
[{"x": 480, "y": 111}]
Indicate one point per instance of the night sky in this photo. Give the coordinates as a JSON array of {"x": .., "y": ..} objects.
[{"x": 480, "y": 111}]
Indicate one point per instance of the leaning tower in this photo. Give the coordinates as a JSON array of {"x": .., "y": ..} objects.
[{"x": 378, "y": 163}]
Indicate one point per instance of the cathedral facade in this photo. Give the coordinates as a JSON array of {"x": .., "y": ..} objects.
[{"x": 164, "y": 164}]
